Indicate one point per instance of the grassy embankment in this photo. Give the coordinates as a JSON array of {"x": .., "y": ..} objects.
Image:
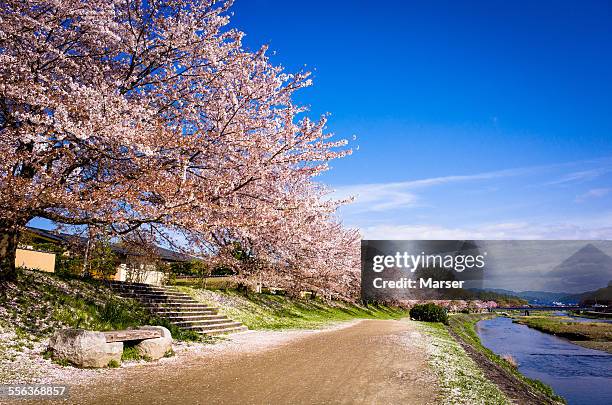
[
  {"x": 461, "y": 380},
  {"x": 37, "y": 304},
  {"x": 265, "y": 311},
  {"x": 503, "y": 372},
  {"x": 593, "y": 335}
]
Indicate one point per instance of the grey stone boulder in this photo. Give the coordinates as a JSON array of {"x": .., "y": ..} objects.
[
  {"x": 154, "y": 349},
  {"x": 84, "y": 348}
]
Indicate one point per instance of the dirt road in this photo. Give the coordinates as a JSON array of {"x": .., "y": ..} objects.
[{"x": 369, "y": 362}]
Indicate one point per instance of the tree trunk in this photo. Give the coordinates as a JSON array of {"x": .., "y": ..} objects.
[
  {"x": 9, "y": 236},
  {"x": 84, "y": 270}
]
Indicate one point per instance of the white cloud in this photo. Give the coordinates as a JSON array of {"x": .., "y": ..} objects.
[
  {"x": 377, "y": 197},
  {"x": 502, "y": 230},
  {"x": 484, "y": 217},
  {"x": 583, "y": 175},
  {"x": 395, "y": 195},
  {"x": 593, "y": 193}
]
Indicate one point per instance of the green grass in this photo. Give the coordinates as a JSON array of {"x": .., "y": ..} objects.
[
  {"x": 464, "y": 325},
  {"x": 62, "y": 362},
  {"x": 210, "y": 283},
  {"x": 265, "y": 311},
  {"x": 560, "y": 326},
  {"x": 461, "y": 381},
  {"x": 593, "y": 314},
  {"x": 113, "y": 364},
  {"x": 130, "y": 353},
  {"x": 592, "y": 335}
]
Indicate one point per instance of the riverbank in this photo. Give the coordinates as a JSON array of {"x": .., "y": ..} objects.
[
  {"x": 593, "y": 314},
  {"x": 502, "y": 372},
  {"x": 592, "y": 335},
  {"x": 460, "y": 379}
]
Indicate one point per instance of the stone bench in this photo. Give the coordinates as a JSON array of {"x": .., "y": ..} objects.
[
  {"x": 132, "y": 334},
  {"x": 92, "y": 349}
]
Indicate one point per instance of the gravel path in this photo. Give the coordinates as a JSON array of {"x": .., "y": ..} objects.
[{"x": 370, "y": 361}]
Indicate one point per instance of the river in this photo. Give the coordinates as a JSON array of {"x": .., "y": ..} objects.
[{"x": 582, "y": 376}]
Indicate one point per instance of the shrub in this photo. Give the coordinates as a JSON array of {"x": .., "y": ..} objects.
[
  {"x": 130, "y": 353},
  {"x": 429, "y": 313},
  {"x": 61, "y": 362},
  {"x": 47, "y": 354},
  {"x": 113, "y": 364}
]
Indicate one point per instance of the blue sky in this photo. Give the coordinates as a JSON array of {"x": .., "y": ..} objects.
[{"x": 474, "y": 119}]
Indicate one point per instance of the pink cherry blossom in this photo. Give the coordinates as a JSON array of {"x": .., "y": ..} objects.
[{"x": 152, "y": 120}]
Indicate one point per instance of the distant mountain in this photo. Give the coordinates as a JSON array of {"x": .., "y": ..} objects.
[
  {"x": 501, "y": 291},
  {"x": 538, "y": 297},
  {"x": 585, "y": 270},
  {"x": 502, "y": 297},
  {"x": 546, "y": 297},
  {"x": 602, "y": 296},
  {"x": 599, "y": 296}
]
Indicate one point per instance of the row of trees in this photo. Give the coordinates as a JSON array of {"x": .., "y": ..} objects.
[
  {"x": 148, "y": 120},
  {"x": 470, "y": 306}
]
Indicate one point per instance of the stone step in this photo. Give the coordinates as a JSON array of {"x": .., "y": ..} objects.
[
  {"x": 169, "y": 293},
  {"x": 181, "y": 302},
  {"x": 166, "y": 313},
  {"x": 204, "y": 328},
  {"x": 145, "y": 292},
  {"x": 138, "y": 293},
  {"x": 174, "y": 312},
  {"x": 222, "y": 331},
  {"x": 126, "y": 284},
  {"x": 173, "y": 305},
  {"x": 184, "y": 317},
  {"x": 167, "y": 299},
  {"x": 154, "y": 289},
  {"x": 139, "y": 287},
  {"x": 202, "y": 322},
  {"x": 154, "y": 294},
  {"x": 179, "y": 312},
  {"x": 177, "y": 306}
]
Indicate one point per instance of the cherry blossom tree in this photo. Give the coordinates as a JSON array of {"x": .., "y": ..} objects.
[
  {"x": 151, "y": 118},
  {"x": 491, "y": 305}
]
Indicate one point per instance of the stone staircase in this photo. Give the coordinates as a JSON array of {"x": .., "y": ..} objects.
[{"x": 179, "y": 308}]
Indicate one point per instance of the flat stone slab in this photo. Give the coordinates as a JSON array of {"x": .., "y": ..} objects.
[{"x": 132, "y": 334}]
